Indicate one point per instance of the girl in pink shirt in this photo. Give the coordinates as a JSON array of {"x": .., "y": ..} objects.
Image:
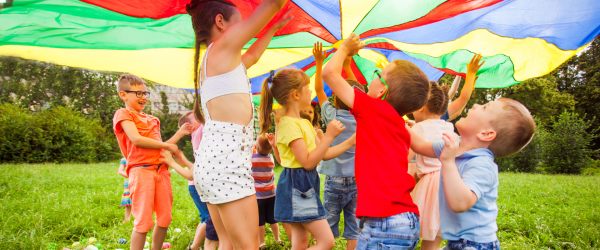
[{"x": 425, "y": 194}]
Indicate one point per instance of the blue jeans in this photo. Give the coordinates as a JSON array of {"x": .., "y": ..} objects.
[
  {"x": 340, "y": 195},
  {"x": 202, "y": 208},
  {"x": 463, "y": 244},
  {"x": 397, "y": 232}
]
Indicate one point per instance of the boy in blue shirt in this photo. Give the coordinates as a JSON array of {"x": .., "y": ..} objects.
[
  {"x": 469, "y": 178},
  {"x": 340, "y": 185}
]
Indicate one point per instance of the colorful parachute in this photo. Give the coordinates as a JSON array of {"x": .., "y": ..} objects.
[{"x": 519, "y": 39}]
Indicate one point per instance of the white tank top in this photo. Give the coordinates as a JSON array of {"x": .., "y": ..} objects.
[{"x": 232, "y": 82}]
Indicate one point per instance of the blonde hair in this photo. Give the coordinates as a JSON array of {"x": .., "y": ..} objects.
[
  {"x": 514, "y": 128},
  {"x": 284, "y": 82},
  {"x": 128, "y": 80}
]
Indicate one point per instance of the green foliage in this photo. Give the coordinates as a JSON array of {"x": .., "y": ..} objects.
[
  {"x": 58, "y": 134},
  {"x": 530, "y": 158},
  {"x": 580, "y": 77},
  {"x": 562, "y": 147},
  {"x": 567, "y": 146},
  {"x": 592, "y": 167}
]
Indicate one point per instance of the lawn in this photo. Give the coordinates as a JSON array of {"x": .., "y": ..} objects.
[{"x": 62, "y": 204}]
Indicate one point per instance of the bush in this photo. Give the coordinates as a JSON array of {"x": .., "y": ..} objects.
[
  {"x": 57, "y": 134},
  {"x": 567, "y": 145}
]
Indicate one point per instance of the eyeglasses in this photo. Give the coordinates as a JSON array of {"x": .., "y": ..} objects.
[
  {"x": 383, "y": 81},
  {"x": 138, "y": 94}
]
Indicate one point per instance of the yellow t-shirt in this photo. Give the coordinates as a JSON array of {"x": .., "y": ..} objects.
[{"x": 288, "y": 130}]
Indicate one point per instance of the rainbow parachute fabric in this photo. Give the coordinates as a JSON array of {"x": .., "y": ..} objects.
[{"x": 519, "y": 39}]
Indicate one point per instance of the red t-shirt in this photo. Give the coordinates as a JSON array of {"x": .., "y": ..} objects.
[
  {"x": 148, "y": 126},
  {"x": 381, "y": 165}
]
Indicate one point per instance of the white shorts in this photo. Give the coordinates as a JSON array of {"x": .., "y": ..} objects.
[{"x": 222, "y": 171}]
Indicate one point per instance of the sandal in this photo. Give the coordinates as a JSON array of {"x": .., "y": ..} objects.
[
  {"x": 281, "y": 243},
  {"x": 262, "y": 246}
]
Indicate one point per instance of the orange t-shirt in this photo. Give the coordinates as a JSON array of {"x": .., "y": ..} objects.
[{"x": 148, "y": 126}]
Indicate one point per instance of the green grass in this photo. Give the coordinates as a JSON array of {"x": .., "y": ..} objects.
[{"x": 61, "y": 204}]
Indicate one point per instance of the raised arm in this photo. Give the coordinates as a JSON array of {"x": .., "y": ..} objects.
[
  {"x": 260, "y": 45},
  {"x": 332, "y": 72},
  {"x": 320, "y": 56},
  {"x": 241, "y": 33},
  {"x": 456, "y": 107},
  {"x": 144, "y": 142},
  {"x": 454, "y": 87},
  {"x": 419, "y": 145},
  {"x": 309, "y": 160},
  {"x": 348, "y": 68},
  {"x": 185, "y": 129}
]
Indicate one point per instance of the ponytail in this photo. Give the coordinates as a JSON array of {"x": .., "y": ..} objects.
[
  {"x": 266, "y": 105},
  {"x": 203, "y": 13},
  {"x": 197, "y": 108}
]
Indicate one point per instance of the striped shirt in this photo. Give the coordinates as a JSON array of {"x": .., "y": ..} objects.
[{"x": 264, "y": 177}]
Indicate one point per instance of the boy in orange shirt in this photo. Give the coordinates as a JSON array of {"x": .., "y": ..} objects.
[{"x": 139, "y": 138}]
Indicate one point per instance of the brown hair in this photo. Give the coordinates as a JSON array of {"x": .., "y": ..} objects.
[
  {"x": 316, "y": 116},
  {"x": 203, "y": 14},
  {"x": 128, "y": 80},
  {"x": 305, "y": 116},
  {"x": 438, "y": 99},
  {"x": 342, "y": 105},
  {"x": 262, "y": 145},
  {"x": 284, "y": 82},
  {"x": 184, "y": 119},
  {"x": 514, "y": 128},
  {"x": 408, "y": 87}
]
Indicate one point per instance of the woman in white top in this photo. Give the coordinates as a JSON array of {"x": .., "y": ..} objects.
[{"x": 222, "y": 168}]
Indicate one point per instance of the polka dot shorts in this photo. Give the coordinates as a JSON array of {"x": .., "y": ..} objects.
[{"x": 222, "y": 171}]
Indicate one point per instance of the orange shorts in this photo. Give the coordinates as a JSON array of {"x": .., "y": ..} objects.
[{"x": 150, "y": 191}]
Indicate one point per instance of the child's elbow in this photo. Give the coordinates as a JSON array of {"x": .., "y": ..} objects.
[{"x": 459, "y": 207}]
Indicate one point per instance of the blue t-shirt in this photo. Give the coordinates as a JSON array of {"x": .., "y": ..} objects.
[
  {"x": 123, "y": 161},
  {"x": 446, "y": 116},
  {"x": 343, "y": 165},
  {"x": 480, "y": 173}
]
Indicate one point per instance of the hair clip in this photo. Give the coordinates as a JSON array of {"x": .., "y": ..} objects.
[
  {"x": 272, "y": 74},
  {"x": 314, "y": 103}
]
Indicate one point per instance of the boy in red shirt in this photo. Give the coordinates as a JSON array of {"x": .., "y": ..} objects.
[
  {"x": 382, "y": 144},
  {"x": 139, "y": 138}
]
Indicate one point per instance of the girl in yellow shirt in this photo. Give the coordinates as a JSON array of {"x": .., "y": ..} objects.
[{"x": 300, "y": 150}]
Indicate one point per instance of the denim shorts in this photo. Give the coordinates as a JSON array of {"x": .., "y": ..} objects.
[
  {"x": 297, "y": 199},
  {"x": 340, "y": 195},
  {"x": 463, "y": 244},
  {"x": 396, "y": 232},
  {"x": 202, "y": 208}
]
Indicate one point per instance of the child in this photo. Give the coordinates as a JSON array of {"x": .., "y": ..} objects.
[
  {"x": 125, "y": 200},
  {"x": 264, "y": 183},
  {"x": 300, "y": 150},
  {"x": 381, "y": 153},
  {"x": 313, "y": 118},
  {"x": 204, "y": 229},
  {"x": 469, "y": 176},
  {"x": 340, "y": 184},
  {"x": 139, "y": 138},
  {"x": 222, "y": 170},
  {"x": 431, "y": 127}
]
